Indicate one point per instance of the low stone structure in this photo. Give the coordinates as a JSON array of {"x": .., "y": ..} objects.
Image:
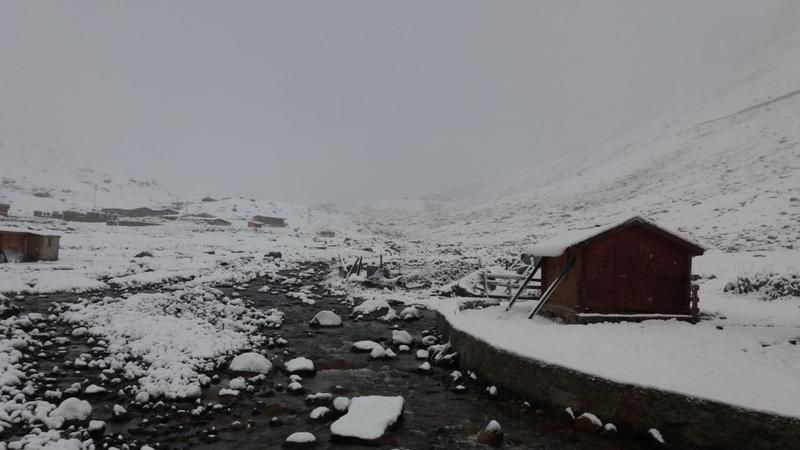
[
  {"x": 684, "y": 421},
  {"x": 269, "y": 221}
]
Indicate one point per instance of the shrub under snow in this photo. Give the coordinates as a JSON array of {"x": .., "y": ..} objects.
[{"x": 769, "y": 286}]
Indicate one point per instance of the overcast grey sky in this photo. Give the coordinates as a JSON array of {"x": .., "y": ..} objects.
[{"x": 325, "y": 100}]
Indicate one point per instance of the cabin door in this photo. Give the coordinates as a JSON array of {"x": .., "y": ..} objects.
[{"x": 630, "y": 266}]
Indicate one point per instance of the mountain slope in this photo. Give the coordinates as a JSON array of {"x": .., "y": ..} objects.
[
  {"x": 45, "y": 180},
  {"x": 726, "y": 171}
]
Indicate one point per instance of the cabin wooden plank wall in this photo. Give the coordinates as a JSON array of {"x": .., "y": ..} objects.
[
  {"x": 633, "y": 271},
  {"x": 32, "y": 247},
  {"x": 628, "y": 270}
]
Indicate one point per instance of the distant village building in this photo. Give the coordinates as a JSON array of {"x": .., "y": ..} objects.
[
  {"x": 139, "y": 212},
  {"x": 326, "y": 233},
  {"x": 19, "y": 245},
  {"x": 48, "y": 215},
  {"x": 91, "y": 216},
  {"x": 256, "y": 225},
  {"x": 277, "y": 222},
  {"x": 631, "y": 270},
  {"x": 218, "y": 222},
  {"x": 4, "y": 207}
]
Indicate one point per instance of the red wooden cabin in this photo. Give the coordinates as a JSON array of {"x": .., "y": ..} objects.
[{"x": 633, "y": 270}]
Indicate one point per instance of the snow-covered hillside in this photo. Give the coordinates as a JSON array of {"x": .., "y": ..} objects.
[
  {"x": 47, "y": 180},
  {"x": 726, "y": 171}
]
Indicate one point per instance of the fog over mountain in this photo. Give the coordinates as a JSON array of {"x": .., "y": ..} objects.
[{"x": 322, "y": 101}]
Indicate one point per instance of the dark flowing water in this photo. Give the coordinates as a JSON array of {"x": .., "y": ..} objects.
[{"x": 435, "y": 416}]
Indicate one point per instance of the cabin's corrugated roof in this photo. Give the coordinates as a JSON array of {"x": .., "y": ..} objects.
[{"x": 556, "y": 246}]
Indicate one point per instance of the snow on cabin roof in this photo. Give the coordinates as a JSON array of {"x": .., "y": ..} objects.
[
  {"x": 557, "y": 245},
  {"x": 25, "y": 230}
]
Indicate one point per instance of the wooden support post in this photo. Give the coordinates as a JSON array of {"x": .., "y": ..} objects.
[
  {"x": 552, "y": 288},
  {"x": 485, "y": 283},
  {"x": 695, "y": 300},
  {"x": 350, "y": 270},
  {"x": 358, "y": 265},
  {"x": 525, "y": 283}
]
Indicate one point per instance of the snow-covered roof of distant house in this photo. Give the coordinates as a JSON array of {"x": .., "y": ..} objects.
[{"x": 558, "y": 245}]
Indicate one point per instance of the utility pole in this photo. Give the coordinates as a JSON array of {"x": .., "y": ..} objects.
[{"x": 94, "y": 204}]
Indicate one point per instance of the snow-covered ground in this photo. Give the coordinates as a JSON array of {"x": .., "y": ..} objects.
[{"x": 747, "y": 356}]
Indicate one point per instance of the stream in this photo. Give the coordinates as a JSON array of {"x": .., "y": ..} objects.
[{"x": 436, "y": 415}]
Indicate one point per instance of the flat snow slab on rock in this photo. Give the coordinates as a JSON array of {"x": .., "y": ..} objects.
[
  {"x": 326, "y": 319},
  {"x": 367, "y": 419},
  {"x": 251, "y": 362}
]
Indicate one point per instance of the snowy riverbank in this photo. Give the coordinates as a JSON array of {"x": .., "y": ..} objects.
[{"x": 745, "y": 353}]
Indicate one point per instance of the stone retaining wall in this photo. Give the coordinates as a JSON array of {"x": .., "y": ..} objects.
[{"x": 685, "y": 422}]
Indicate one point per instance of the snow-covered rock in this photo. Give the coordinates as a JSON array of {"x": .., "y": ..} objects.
[
  {"x": 118, "y": 411},
  {"x": 319, "y": 399},
  {"x": 368, "y": 418},
  {"x": 96, "y": 426},
  {"x": 382, "y": 353},
  {"x": 491, "y": 435},
  {"x": 326, "y": 319},
  {"x": 73, "y": 409},
  {"x": 588, "y": 422},
  {"x": 340, "y": 404},
  {"x": 142, "y": 397},
  {"x": 371, "y": 306},
  {"x": 410, "y": 313},
  {"x": 300, "y": 365},
  {"x": 251, "y": 362},
  {"x": 319, "y": 413},
  {"x": 237, "y": 383},
  {"x": 364, "y": 346},
  {"x": 401, "y": 337},
  {"x": 94, "y": 389},
  {"x": 656, "y": 436},
  {"x": 300, "y": 439}
]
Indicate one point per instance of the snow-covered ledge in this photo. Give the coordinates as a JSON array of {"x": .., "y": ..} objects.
[{"x": 684, "y": 420}]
